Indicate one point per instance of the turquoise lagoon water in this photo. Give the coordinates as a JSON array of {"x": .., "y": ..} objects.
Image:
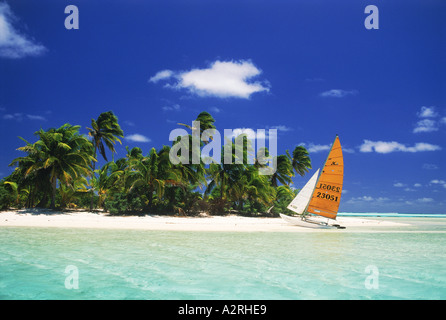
[{"x": 394, "y": 263}]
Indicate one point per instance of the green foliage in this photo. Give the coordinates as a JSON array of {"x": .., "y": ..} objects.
[
  {"x": 105, "y": 130},
  {"x": 284, "y": 195},
  {"x": 59, "y": 169},
  {"x": 60, "y": 155},
  {"x": 123, "y": 203},
  {"x": 6, "y": 196}
]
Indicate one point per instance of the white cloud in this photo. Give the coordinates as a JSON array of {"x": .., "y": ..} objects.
[
  {"x": 406, "y": 188},
  {"x": 215, "y": 109},
  {"x": 281, "y": 128},
  {"x": 338, "y": 93},
  {"x": 428, "y": 120},
  {"x": 348, "y": 150},
  {"x": 439, "y": 182},
  {"x": 426, "y": 125},
  {"x": 161, "y": 75},
  {"x": 430, "y": 166},
  {"x": 174, "y": 107},
  {"x": 417, "y": 185},
  {"x": 425, "y": 200},
  {"x": 136, "y": 137},
  {"x": 18, "y": 116},
  {"x": 393, "y": 146},
  {"x": 399, "y": 185},
  {"x": 35, "y": 117},
  {"x": 129, "y": 123},
  {"x": 427, "y": 112},
  {"x": 14, "y": 44},
  {"x": 367, "y": 199},
  {"x": 222, "y": 79},
  {"x": 250, "y": 133},
  {"x": 313, "y": 148},
  {"x": 13, "y": 116}
]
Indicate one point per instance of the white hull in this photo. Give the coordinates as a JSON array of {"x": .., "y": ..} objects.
[{"x": 310, "y": 222}]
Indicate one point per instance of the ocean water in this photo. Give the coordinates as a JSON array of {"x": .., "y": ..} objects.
[{"x": 58, "y": 263}]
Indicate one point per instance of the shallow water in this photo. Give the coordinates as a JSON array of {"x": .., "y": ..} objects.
[{"x": 125, "y": 264}]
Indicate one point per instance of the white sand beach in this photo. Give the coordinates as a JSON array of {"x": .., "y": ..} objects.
[{"x": 82, "y": 219}]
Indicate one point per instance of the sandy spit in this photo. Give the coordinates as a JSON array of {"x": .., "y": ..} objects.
[{"x": 83, "y": 219}]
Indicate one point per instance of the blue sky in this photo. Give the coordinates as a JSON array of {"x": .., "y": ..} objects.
[{"x": 308, "y": 68}]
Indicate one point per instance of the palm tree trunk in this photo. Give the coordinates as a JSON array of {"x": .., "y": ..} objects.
[
  {"x": 240, "y": 204},
  {"x": 92, "y": 189},
  {"x": 149, "y": 205},
  {"x": 53, "y": 194}
]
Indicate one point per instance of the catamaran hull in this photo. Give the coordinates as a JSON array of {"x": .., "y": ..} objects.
[{"x": 309, "y": 222}]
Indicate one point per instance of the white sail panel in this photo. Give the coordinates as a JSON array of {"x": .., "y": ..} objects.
[{"x": 302, "y": 199}]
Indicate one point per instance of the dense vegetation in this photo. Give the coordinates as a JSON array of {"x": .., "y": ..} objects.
[{"x": 60, "y": 171}]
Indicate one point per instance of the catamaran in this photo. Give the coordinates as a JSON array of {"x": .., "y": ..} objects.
[{"x": 317, "y": 203}]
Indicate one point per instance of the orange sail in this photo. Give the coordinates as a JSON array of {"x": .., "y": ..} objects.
[{"x": 327, "y": 194}]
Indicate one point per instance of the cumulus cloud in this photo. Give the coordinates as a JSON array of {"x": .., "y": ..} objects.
[
  {"x": 338, "y": 93},
  {"x": 438, "y": 182},
  {"x": 221, "y": 79},
  {"x": 13, "y": 43},
  {"x": 250, "y": 133},
  {"x": 136, "y": 137},
  {"x": 399, "y": 185},
  {"x": 426, "y": 125},
  {"x": 393, "y": 146},
  {"x": 428, "y": 120},
  {"x": 427, "y": 112},
  {"x": 313, "y": 148}
]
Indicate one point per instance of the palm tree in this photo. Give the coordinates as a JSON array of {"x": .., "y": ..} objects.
[
  {"x": 61, "y": 153},
  {"x": 104, "y": 130},
  {"x": 206, "y": 122},
  {"x": 70, "y": 193},
  {"x": 284, "y": 195},
  {"x": 284, "y": 171},
  {"x": 228, "y": 178},
  {"x": 194, "y": 173},
  {"x": 260, "y": 192},
  {"x": 103, "y": 180},
  {"x": 152, "y": 173},
  {"x": 300, "y": 160},
  {"x": 36, "y": 182}
]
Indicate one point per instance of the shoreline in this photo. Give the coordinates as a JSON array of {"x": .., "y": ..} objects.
[{"x": 231, "y": 223}]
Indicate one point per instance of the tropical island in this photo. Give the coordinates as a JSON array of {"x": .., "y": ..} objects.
[{"x": 60, "y": 171}]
